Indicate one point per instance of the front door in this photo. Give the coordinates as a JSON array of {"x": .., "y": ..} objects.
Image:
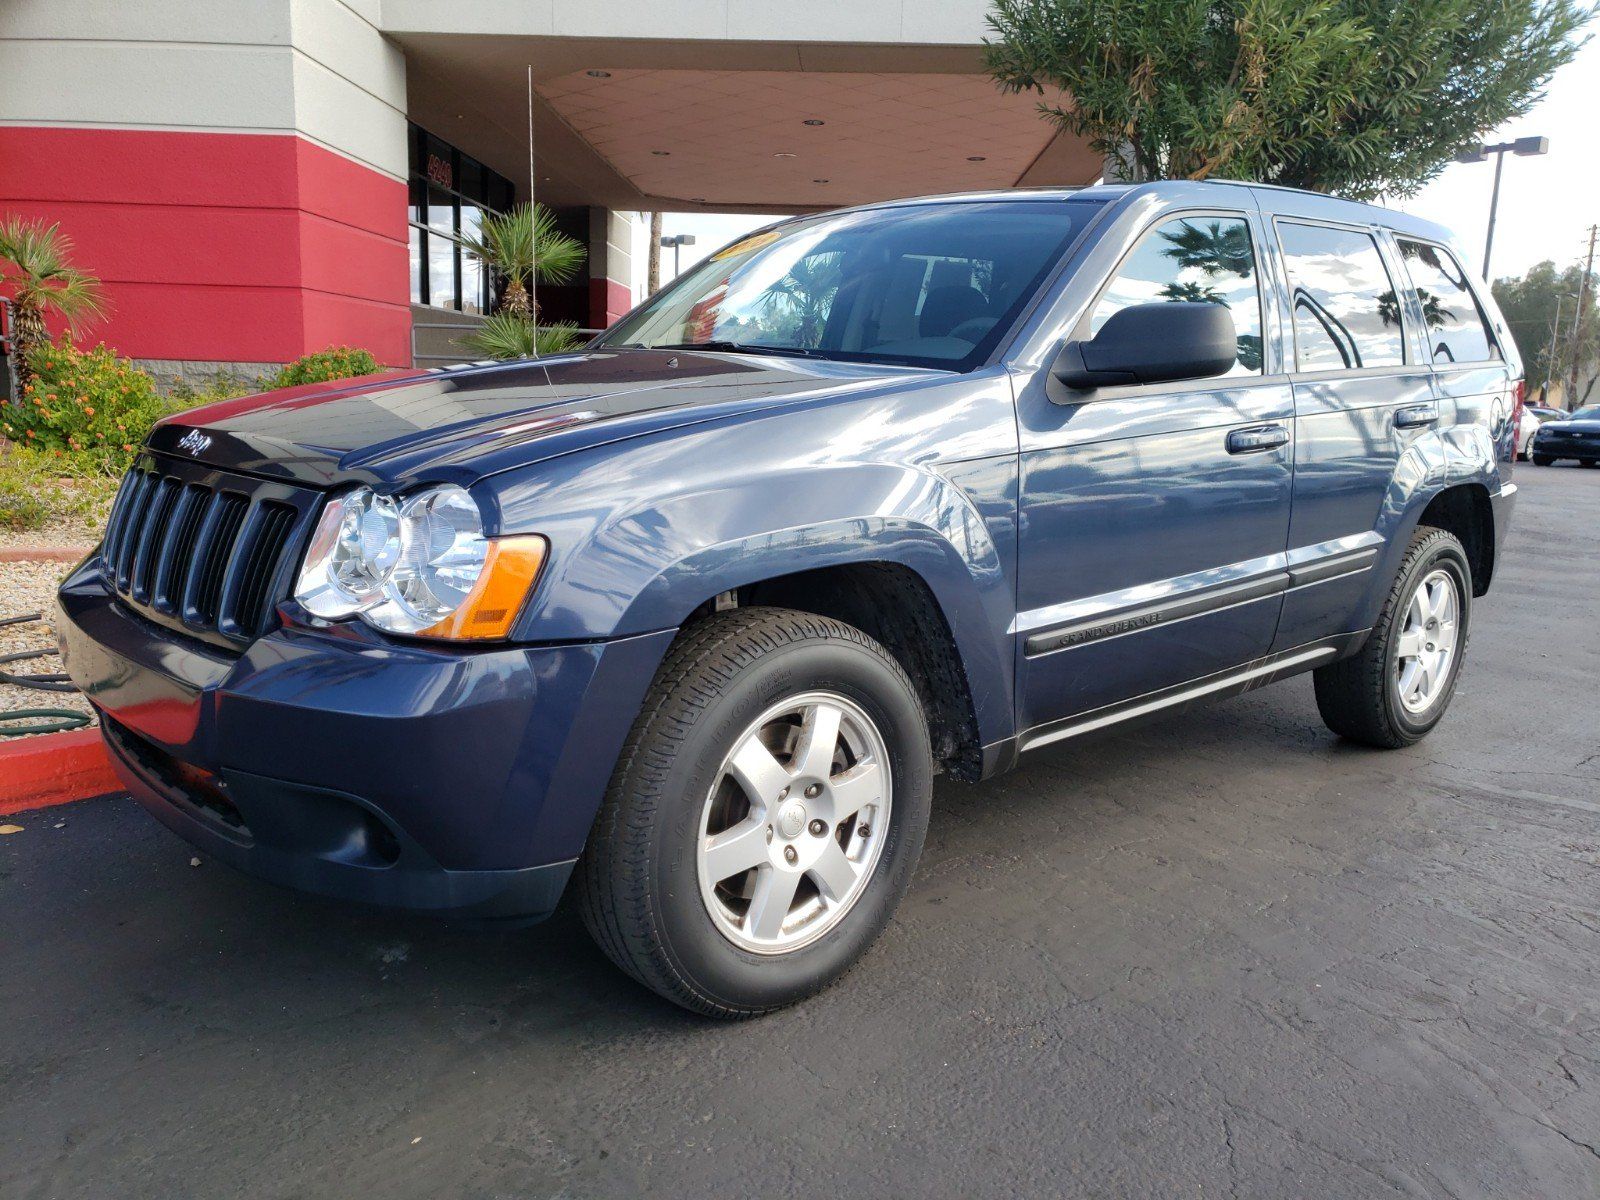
[{"x": 1154, "y": 518}]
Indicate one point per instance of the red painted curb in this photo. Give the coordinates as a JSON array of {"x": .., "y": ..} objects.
[
  {"x": 54, "y": 768},
  {"x": 66, "y": 554}
]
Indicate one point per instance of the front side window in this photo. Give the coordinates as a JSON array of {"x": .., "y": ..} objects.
[
  {"x": 1457, "y": 330},
  {"x": 929, "y": 284},
  {"x": 1346, "y": 311},
  {"x": 1209, "y": 260}
]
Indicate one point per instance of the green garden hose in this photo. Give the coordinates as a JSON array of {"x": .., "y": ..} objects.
[{"x": 50, "y": 720}]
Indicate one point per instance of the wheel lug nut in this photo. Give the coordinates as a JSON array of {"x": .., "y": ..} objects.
[
  {"x": 818, "y": 828},
  {"x": 813, "y": 791},
  {"x": 783, "y": 795},
  {"x": 790, "y": 854},
  {"x": 769, "y": 835},
  {"x": 864, "y": 830}
]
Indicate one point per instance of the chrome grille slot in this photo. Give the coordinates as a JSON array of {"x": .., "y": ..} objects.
[{"x": 204, "y": 552}]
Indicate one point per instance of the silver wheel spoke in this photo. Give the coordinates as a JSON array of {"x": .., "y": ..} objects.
[
  {"x": 760, "y": 774},
  {"x": 834, "y": 872},
  {"x": 770, "y": 823},
  {"x": 770, "y": 904},
  {"x": 1409, "y": 644},
  {"x": 819, "y": 738},
  {"x": 736, "y": 850},
  {"x": 855, "y": 789}
]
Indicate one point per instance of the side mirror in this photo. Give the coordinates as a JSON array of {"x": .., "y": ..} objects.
[{"x": 1152, "y": 343}]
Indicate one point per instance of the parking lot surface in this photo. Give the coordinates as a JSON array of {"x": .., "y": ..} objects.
[{"x": 1222, "y": 955}]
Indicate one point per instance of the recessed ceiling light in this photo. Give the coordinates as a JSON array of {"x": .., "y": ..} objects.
[
  {"x": 598, "y": 74},
  {"x": 813, "y": 121},
  {"x": 975, "y": 158},
  {"x": 783, "y": 154},
  {"x": 819, "y": 181},
  {"x": 697, "y": 199},
  {"x": 661, "y": 153}
]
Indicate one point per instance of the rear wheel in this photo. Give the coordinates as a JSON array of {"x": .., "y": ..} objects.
[
  {"x": 1542, "y": 460},
  {"x": 765, "y": 816},
  {"x": 1400, "y": 684}
]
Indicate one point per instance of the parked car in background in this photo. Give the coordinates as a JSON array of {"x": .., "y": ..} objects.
[
  {"x": 692, "y": 617},
  {"x": 1528, "y": 422},
  {"x": 1545, "y": 413},
  {"x": 1575, "y": 435}
]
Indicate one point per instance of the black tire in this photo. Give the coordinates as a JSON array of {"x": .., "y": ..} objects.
[
  {"x": 1542, "y": 460},
  {"x": 1357, "y": 696},
  {"x": 638, "y": 887}
]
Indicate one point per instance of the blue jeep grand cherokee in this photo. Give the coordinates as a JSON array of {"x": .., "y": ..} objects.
[{"x": 697, "y": 613}]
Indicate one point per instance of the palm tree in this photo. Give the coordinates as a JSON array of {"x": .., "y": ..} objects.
[
  {"x": 1216, "y": 249},
  {"x": 523, "y": 245},
  {"x": 509, "y": 335},
  {"x": 33, "y": 260}
]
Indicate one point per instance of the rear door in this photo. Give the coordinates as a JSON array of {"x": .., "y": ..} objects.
[
  {"x": 1472, "y": 374},
  {"x": 1362, "y": 399},
  {"x": 1154, "y": 518}
]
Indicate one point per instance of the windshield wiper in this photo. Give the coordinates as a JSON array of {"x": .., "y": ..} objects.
[{"x": 731, "y": 347}]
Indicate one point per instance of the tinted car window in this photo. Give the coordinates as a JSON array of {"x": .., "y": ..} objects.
[
  {"x": 927, "y": 284},
  {"x": 1205, "y": 259},
  {"x": 1346, "y": 312},
  {"x": 1457, "y": 329}
]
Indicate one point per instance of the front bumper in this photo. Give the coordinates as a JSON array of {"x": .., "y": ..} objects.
[
  {"x": 1582, "y": 449},
  {"x": 460, "y": 782}
]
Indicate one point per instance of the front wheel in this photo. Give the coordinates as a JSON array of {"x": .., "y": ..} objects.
[
  {"x": 1400, "y": 684},
  {"x": 1542, "y": 460},
  {"x": 765, "y": 816}
]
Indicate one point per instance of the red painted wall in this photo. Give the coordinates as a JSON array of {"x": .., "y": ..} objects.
[
  {"x": 609, "y": 300},
  {"x": 222, "y": 246}
]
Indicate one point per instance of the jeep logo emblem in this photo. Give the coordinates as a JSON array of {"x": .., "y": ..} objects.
[{"x": 195, "y": 442}]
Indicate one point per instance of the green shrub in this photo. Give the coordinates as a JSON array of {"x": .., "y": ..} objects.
[
  {"x": 224, "y": 386},
  {"x": 336, "y": 362},
  {"x": 34, "y": 492},
  {"x": 25, "y": 502},
  {"x": 506, "y": 335},
  {"x": 87, "y": 406}
]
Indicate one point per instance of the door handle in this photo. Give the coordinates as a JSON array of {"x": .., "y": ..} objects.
[
  {"x": 1415, "y": 416},
  {"x": 1253, "y": 441}
]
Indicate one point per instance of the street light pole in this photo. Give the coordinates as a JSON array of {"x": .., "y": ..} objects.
[
  {"x": 1524, "y": 147},
  {"x": 677, "y": 241}
]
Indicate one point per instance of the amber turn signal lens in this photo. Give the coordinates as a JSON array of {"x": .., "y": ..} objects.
[{"x": 490, "y": 609}]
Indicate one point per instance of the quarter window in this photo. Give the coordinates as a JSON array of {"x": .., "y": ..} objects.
[
  {"x": 1457, "y": 330},
  {"x": 1346, "y": 311},
  {"x": 1210, "y": 260}
]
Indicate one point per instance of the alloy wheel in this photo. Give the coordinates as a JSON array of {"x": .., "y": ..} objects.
[
  {"x": 795, "y": 823},
  {"x": 1426, "y": 649}
]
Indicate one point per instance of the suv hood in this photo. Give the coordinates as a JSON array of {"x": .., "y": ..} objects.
[{"x": 459, "y": 424}]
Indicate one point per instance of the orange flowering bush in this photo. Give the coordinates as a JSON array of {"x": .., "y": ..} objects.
[{"x": 86, "y": 406}]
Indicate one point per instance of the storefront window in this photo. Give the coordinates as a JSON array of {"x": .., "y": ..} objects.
[{"x": 449, "y": 194}]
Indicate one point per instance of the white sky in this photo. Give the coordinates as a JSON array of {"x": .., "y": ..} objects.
[{"x": 1546, "y": 204}]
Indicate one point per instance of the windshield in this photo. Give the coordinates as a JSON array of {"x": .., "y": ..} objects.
[
  {"x": 928, "y": 284},
  {"x": 1592, "y": 413}
]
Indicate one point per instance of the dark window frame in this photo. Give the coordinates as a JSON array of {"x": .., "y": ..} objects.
[{"x": 492, "y": 185}]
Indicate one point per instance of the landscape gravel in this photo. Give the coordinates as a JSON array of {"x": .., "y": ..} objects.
[{"x": 29, "y": 587}]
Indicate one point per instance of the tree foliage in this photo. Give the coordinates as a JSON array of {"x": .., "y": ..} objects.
[
  {"x": 1359, "y": 97},
  {"x": 35, "y": 261},
  {"x": 509, "y": 335},
  {"x": 520, "y": 245},
  {"x": 1529, "y": 304}
]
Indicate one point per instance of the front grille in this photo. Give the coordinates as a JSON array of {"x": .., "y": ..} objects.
[{"x": 201, "y": 551}]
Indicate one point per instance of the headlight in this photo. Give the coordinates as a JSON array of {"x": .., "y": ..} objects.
[{"x": 421, "y": 567}]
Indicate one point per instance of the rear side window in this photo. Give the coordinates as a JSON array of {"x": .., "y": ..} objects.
[
  {"x": 1457, "y": 329},
  {"x": 1205, "y": 259},
  {"x": 1346, "y": 311}
]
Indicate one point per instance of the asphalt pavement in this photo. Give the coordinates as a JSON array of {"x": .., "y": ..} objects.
[{"x": 1226, "y": 955}]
